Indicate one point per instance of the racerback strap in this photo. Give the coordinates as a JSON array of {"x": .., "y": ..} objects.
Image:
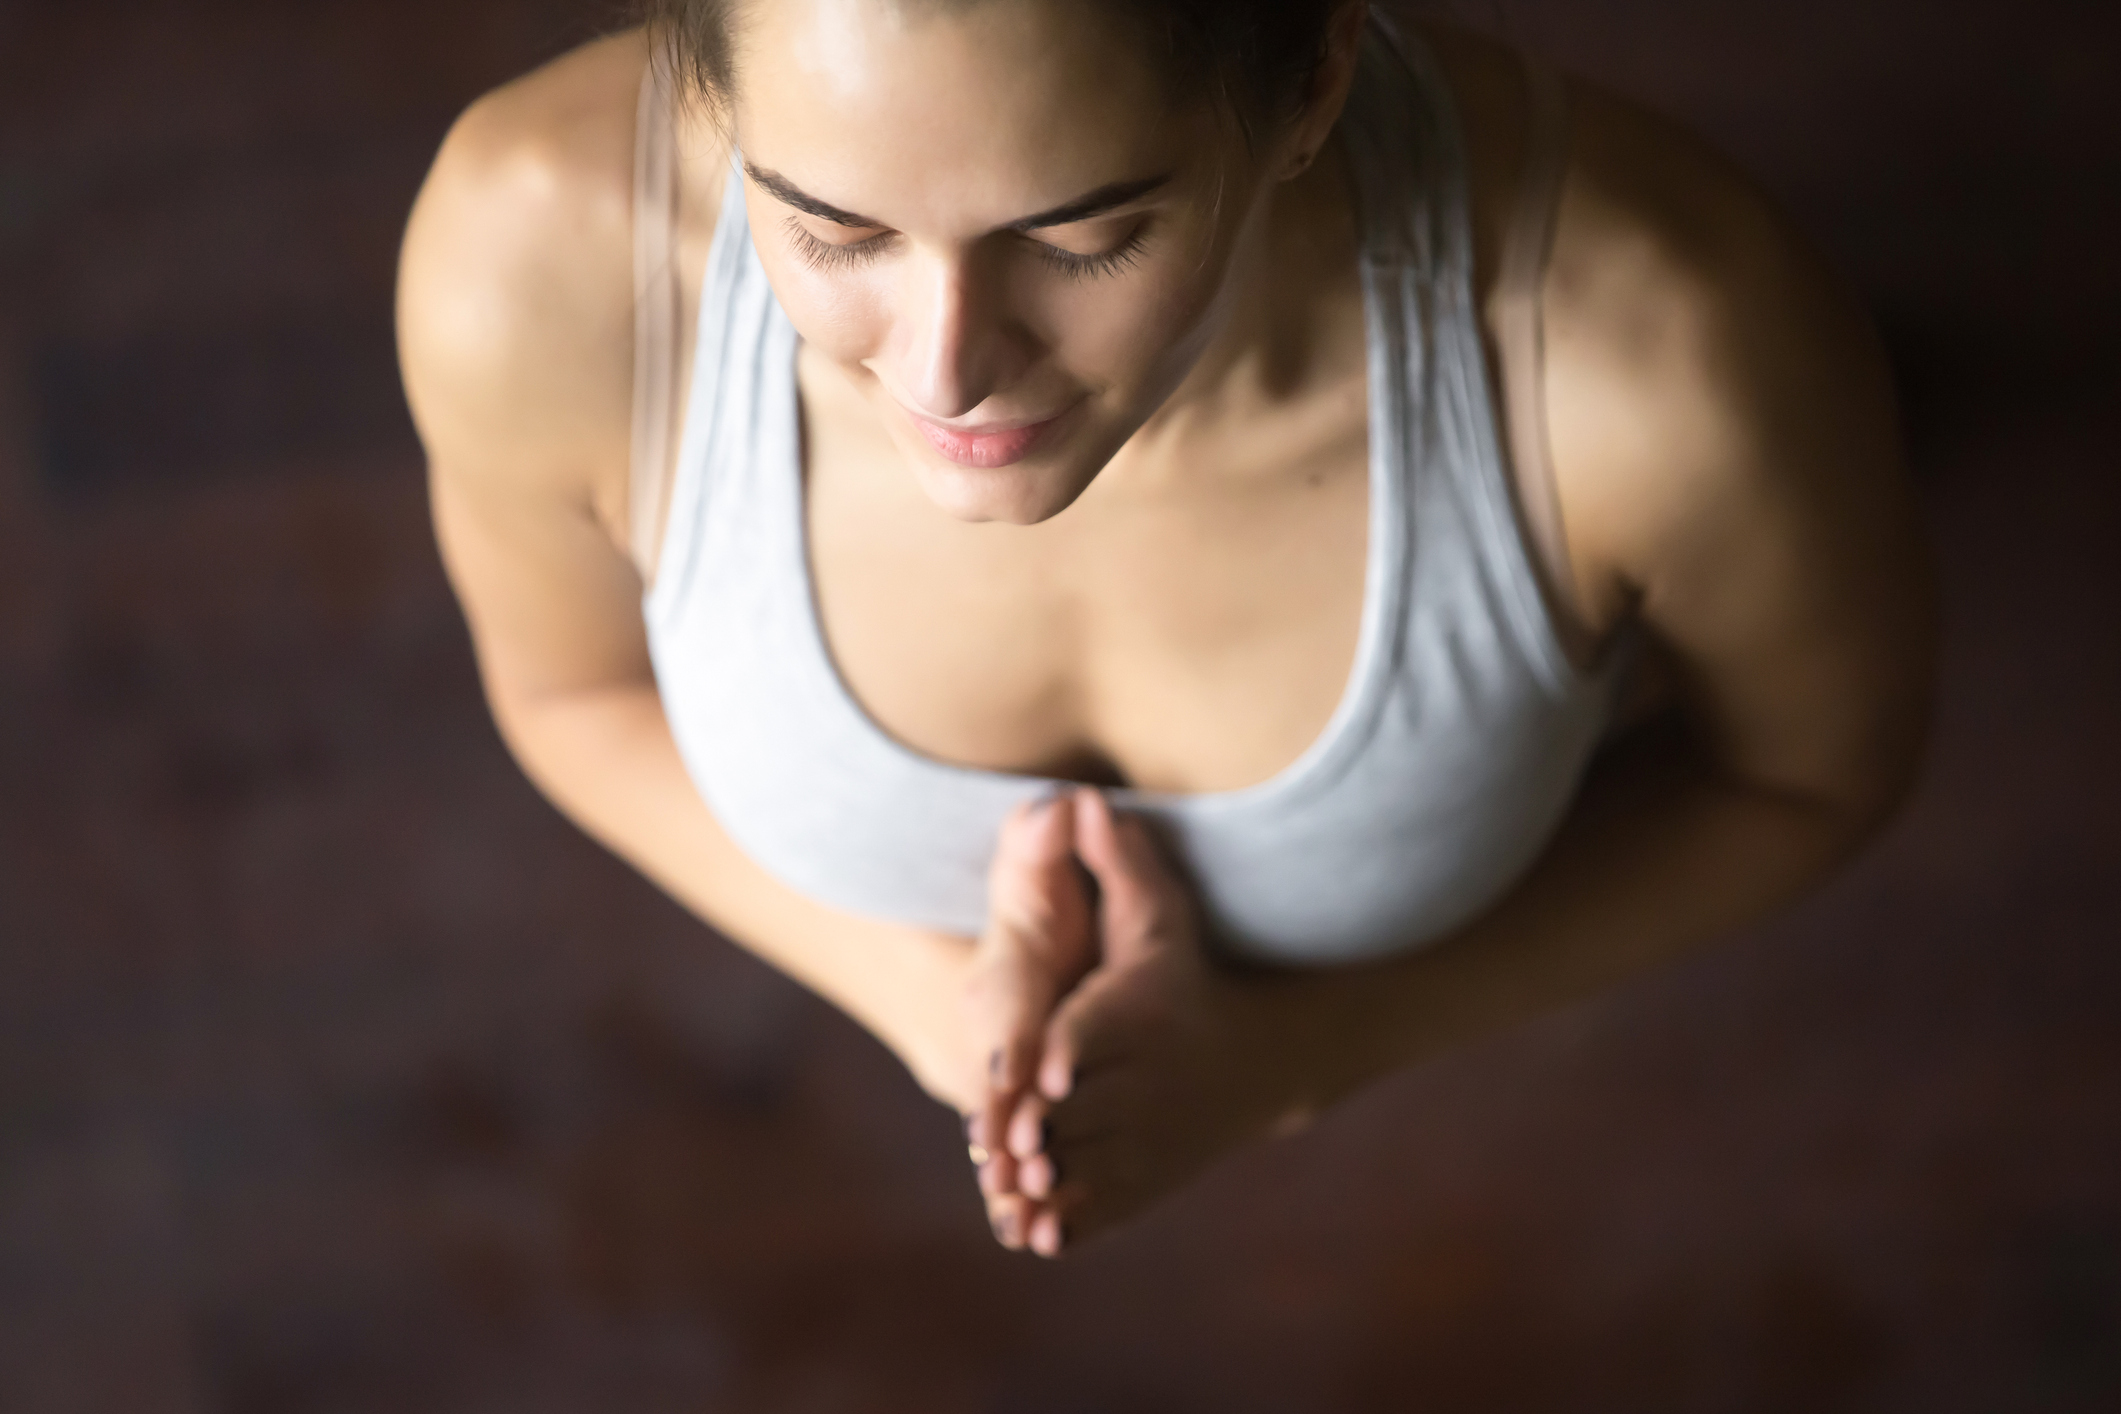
[
  {"x": 655, "y": 313},
  {"x": 1522, "y": 334}
]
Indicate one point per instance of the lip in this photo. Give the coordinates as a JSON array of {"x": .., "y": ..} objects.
[{"x": 990, "y": 446}]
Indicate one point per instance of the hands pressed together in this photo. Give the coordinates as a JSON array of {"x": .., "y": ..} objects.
[{"x": 1119, "y": 1061}]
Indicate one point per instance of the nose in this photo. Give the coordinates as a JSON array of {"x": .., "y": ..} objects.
[{"x": 956, "y": 344}]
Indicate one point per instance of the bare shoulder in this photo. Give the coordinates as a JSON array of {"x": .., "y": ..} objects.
[
  {"x": 1724, "y": 438},
  {"x": 1698, "y": 355},
  {"x": 1727, "y": 449},
  {"x": 515, "y": 281},
  {"x": 1703, "y": 363}
]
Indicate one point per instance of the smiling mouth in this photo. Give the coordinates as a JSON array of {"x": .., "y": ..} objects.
[{"x": 998, "y": 447}]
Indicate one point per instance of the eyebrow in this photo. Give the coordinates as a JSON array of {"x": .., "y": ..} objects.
[{"x": 1108, "y": 197}]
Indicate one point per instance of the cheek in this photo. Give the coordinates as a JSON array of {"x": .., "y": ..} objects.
[
  {"x": 1133, "y": 330},
  {"x": 843, "y": 314}
]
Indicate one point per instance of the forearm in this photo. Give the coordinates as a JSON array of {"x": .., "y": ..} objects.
[
  {"x": 1660, "y": 855},
  {"x": 608, "y": 761}
]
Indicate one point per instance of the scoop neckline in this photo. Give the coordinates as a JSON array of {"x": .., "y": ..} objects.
[
  {"x": 1384, "y": 550},
  {"x": 1352, "y": 706}
]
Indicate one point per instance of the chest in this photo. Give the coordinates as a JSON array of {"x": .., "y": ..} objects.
[{"x": 1192, "y": 637}]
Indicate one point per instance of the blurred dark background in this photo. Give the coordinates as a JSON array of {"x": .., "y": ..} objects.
[{"x": 338, "y": 1074}]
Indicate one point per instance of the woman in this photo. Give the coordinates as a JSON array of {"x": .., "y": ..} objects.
[{"x": 905, "y": 460}]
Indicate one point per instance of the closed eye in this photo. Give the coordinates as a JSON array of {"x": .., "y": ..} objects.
[
  {"x": 830, "y": 255},
  {"x": 827, "y": 255},
  {"x": 1092, "y": 267}
]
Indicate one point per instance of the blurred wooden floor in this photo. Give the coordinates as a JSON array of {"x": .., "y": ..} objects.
[{"x": 339, "y": 1076}]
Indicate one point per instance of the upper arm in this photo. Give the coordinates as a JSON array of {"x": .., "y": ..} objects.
[
  {"x": 1728, "y": 459},
  {"x": 514, "y": 317}
]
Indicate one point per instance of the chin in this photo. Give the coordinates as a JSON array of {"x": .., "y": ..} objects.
[{"x": 1020, "y": 494}]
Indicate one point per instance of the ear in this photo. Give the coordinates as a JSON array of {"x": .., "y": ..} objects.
[{"x": 1329, "y": 87}]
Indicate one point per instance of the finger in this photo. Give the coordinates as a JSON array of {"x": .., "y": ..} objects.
[
  {"x": 1037, "y": 943},
  {"x": 1080, "y": 1040},
  {"x": 1062, "y": 1220},
  {"x": 1010, "y": 1083},
  {"x": 1101, "y": 1104},
  {"x": 1011, "y": 1070},
  {"x": 1094, "y": 1187},
  {"x": 999, "y": 1096},
  {"x": 1068, "y": 1137},
  {"x": 1073, "y": 1134},
  {"x": 1027, "y": 837},
  {"x": 1135, "y": 887},
  {"x": 1096, "y": 1102},
  {"x": 994, "y": 1167},
  {"x": 1098, "y": 1111},
  {"x": 1010, "y": 1219},
  {"x": 1062, "y": 1054},
  {"x": 1038, "y": 1176},
  {"x": 1015, "y": 1060},
  {"x": 1032, "y": 876},
  {"x": 1008, "y": 999},
  {"x": 1046, "y": 1235},
  {"x": 1026, "y": 1136},
  {"x": 1001, "y": 1175}
]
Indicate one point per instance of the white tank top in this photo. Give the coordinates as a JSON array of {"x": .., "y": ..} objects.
[{"x": 1458, "y": 741}]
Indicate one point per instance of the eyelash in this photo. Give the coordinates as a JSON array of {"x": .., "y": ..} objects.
[
  {"x": 1093, "y": 267},
  {"x": 823, "y": 255}
]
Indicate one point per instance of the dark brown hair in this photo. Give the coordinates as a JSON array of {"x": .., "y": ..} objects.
[{"x": 1256, "y": 58}]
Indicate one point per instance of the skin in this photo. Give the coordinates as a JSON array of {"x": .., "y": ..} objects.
[{"x": 1723, "y": 453}]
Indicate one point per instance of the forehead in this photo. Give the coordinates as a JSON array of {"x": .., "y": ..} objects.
[{"x": 948, "y": 115}]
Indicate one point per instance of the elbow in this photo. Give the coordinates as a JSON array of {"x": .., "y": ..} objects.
[
  {"x": 1897, "y": 761},
  {"x": 1872, "y": 796},
  {"x": 1867, "y": 813},
  {"x": 1882, "y": 750}
]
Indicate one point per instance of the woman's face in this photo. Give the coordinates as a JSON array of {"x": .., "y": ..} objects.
[{"x": 995, "y": 220}]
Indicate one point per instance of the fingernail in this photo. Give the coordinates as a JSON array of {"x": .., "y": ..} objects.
[
  {"x": 1012, "y": 1228},
  {"x": 994, "y": 1065}
]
